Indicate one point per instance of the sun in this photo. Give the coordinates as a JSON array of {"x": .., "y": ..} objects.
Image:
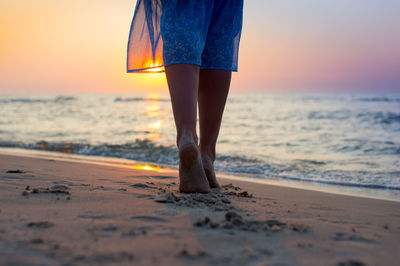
[{"x": 154, "y": 68}]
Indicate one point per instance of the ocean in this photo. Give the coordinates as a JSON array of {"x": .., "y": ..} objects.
[{"x": 344, "y": 139}]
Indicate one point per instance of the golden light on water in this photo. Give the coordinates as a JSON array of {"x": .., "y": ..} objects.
[
  {"x": 156, "y": 125},
  {"x": 153, "y": 107},
  {"x": 155, "y": 114},
  {"x": 152, "y": 110},
  {"x": 146, "y": 167},
  {"x": 153, "y": 136}
]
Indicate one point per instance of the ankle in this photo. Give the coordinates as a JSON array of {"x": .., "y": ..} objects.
[
  {"x": 186, "y": 136},
  {"x": 207, "y": 153}
]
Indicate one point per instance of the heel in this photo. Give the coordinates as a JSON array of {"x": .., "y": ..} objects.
[{"x": 188, "y": 155}]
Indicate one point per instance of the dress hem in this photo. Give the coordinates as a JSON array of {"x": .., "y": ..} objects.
[{"x": 143, "y": 70}]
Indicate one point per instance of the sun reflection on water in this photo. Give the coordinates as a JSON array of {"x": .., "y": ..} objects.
[
  {"x": 156, "y": 114},
  {"x": 152, "y": 110},
  {"x": 156, "y": 125}
]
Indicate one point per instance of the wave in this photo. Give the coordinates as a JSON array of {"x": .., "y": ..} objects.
[
  {"x": 38, "y": 100},
  {"x": 139, "y": 99},
  {"x": 386, "y": 118},
  {"x": 334, "y": 115},
  {"x": 366, "y": 147},
  {"x": 380, "y": 117},
  {"x": 298, "y": 170},
  {"x": 379, "y": 99},
  {"x": 341, "y": 183},
  {"x": 141, "y": 150}
]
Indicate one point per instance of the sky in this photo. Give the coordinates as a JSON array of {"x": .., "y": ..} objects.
[{"x": 79, "y": 46}]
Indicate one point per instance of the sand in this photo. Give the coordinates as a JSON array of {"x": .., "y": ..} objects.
[{"x": 55, "y": 212}]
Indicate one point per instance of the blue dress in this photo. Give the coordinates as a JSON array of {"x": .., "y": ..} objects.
[{"x": 201, "y": 32}]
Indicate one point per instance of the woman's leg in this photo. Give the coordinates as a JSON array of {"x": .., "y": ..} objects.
[
  {"x": 213, "y": 91},
  {"x": 183, "y": 83}
]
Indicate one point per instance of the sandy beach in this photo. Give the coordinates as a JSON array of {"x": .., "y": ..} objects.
[{"x": 55, "y": 212}]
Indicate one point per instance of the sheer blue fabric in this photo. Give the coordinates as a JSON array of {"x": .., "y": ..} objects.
[{"x": 202, "y": 32}]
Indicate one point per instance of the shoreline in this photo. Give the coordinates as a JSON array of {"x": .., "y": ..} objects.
[{"x": 355, "y": 191}]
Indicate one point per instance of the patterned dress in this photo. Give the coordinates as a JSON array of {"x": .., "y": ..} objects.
[{"x": 201, "y": 32}]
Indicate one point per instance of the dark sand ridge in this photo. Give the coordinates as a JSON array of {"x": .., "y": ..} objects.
[{"x": 78, "y": 213}]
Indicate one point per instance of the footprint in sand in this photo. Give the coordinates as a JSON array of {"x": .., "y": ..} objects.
[
  {"x": 60, "y": 187},
  {"x": 351, "y": 263},
  {"x": 15, "y": 172},
  {"x": 67, "y": 183},
  {"x": 120, "y": 182},
  {"x": 105, "y": 258},
  {"x": 110, "y": 228},
  {"x": 95, "y": 217},
  {"x": 141, "y": 185},
  {"x": 138, "y": 176},
  {"x": 162, "y": 177},
  {"x": 57, "y": 189},
  {"x": 154, "y": 176},
  {"x": 166, "y": 212},
  {"x": 149, "y": 219},
  {"x": 352, "y": 237},
  {"x": 42, "y": 224},
  {"x": 145, "y": 196}
]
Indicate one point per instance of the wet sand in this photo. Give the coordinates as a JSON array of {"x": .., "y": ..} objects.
[{"x": 55, "y": 212}]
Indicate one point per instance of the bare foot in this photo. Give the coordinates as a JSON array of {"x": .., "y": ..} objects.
[
  {"x": 210, "y": 173},
  {"x": 191, "y": 172}
]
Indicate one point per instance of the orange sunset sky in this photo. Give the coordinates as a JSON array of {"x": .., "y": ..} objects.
[{"x": 70, "y": 46}]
